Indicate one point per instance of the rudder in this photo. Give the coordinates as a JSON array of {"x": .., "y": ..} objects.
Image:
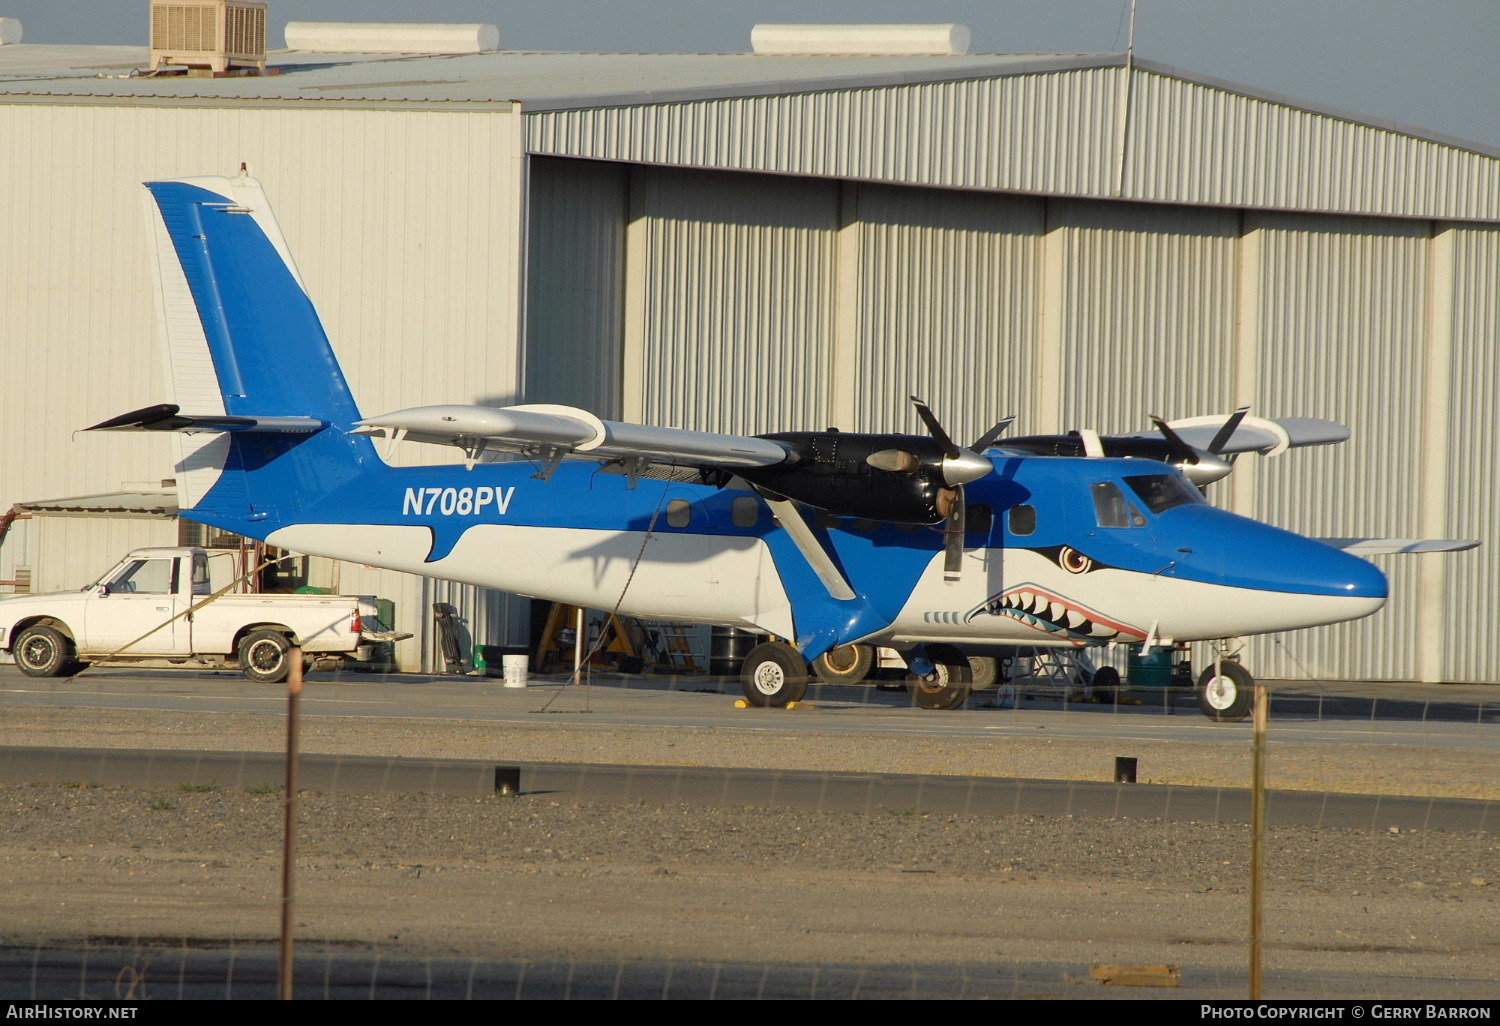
[{"x": 243, "y": 340}]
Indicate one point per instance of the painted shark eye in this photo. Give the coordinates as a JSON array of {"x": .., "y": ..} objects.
[{"x": 1073, "y": 561}]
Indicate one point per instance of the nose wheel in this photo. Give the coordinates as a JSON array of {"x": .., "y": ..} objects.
[
  {"x": 1225, "y": 692},
  {"x": 949, "y": 683}
]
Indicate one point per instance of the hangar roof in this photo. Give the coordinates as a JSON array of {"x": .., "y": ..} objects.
[
  {"x": 1053, "y": 124},
  {"x": 538, "y": 80}
]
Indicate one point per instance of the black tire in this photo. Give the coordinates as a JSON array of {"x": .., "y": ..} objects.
[
  {"x": 1225, "y": 692},
  {"x": 43, "y": 652},
  {"x": 984, "y": 672},
  {"x": 1106, "y": 677},
  {"x": 948, "y": 687},
  {"x": 264, "y": 658},
  {"x": 847, "y": 664},
  {"x": 774, "y": 674}
]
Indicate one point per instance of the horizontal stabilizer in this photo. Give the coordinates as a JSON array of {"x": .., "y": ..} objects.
[
  {"x": 167, "y": 417},
  {"x": 538, "y": 429},
  {"x": 1386, "y": 546}
]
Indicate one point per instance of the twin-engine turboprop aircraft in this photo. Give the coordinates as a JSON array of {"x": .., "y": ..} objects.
[{"x": 823, "y": 538}]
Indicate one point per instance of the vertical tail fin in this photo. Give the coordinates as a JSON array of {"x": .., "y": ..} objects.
[{"x": 243, "y": 340}]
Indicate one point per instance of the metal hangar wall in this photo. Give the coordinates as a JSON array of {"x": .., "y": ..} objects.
[{"x": 745, "y": 302}]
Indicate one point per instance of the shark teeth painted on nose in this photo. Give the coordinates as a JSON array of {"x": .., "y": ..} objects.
[{"x": 1055, "y": 616}]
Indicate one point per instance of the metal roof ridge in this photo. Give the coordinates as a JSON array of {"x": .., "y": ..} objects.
[{"x": 1313, "y": 107}]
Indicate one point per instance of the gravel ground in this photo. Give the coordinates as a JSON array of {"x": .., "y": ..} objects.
[{"x": 430, "y": 876}]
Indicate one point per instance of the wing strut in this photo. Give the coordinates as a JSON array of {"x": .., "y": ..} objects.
[{"x": 812, "y": 550}]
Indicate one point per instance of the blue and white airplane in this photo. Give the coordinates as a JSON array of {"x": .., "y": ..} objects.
[{"x": 823, "y": 538}]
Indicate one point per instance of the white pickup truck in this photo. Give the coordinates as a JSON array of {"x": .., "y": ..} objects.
[{"x": 134, "y": 612}]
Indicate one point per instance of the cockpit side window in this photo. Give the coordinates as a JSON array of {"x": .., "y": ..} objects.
[
  {"x": 1111, "y": 508},
  {"x": 1161, "y": 492}
]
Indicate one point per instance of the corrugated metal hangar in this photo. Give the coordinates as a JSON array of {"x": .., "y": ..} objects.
[{"x": 762, "y": 242}]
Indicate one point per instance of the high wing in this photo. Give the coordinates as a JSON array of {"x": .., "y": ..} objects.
[
  {"x": 1387, "y": 546},
  {"x": 553, "y": 432},
  {"x": 1253, "y": 434}
]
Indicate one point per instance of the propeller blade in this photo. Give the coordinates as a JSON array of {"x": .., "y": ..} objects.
[
  {"x": 1227, "y": 431},
  {"x": 1180, "y": 450},
  {"x": 935, "y": 429},
  {"x": 989, "y": 437},
  {"x": 953, "y": 536}
]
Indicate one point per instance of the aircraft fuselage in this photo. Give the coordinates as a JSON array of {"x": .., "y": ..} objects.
[{"x": 1059, "y": 552}]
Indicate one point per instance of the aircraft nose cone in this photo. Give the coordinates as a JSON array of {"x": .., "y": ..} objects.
[
  {"x": 1247, "y": 553},
  {"x": 965, "y": 467}
]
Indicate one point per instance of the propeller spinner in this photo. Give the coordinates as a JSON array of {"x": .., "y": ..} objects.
[{"x": 958, "y": 468}]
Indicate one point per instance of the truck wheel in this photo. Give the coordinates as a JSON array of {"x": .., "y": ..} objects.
[
  {"x": 263, "y": 657},
  {"x": 43, "y": 652},
  {"x": 984, "y": 672}
]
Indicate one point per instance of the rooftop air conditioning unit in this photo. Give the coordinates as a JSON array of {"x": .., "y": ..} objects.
[{"x": 214, "y": 34}]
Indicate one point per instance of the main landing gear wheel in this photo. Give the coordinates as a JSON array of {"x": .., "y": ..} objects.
[
  {"x": 43, "y": 652},
  {"x": 948, "y": 686},
  {"x": 774, "y": 674},
  {"x": 847, "y": 664},
  {"x": 1225, "y": 691}
]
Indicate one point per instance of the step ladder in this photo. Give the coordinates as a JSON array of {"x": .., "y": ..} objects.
[{"x": 619, "y": 640}]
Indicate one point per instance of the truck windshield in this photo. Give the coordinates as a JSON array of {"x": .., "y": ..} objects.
[
  {"x": 1161, "y": 492},
  {"x": 143, "y": 577}
]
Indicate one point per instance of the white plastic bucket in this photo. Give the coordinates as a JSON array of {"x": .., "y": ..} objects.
[{"x": 516, "y": 668}]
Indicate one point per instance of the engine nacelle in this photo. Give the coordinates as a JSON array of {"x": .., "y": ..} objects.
[{"x": 899, "y": 478}]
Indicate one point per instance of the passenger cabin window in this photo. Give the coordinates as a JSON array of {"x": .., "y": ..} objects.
[
  {"x": 679, "y": 513},
  {"x": 144, "y": 577},
  {"x": 1022, "y": 520},
  {"x": 745, "y": 511},
  {"x": 978, "y": 518},
  {"x": 1112, "y": 510},
  {"x": 1163, "y": 491}
]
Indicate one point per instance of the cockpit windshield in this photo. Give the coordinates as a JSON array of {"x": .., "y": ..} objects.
[{"x": 1160, "y": 492}]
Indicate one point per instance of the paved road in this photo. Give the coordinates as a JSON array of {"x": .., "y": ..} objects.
[{"x": 1460, "y": 717}]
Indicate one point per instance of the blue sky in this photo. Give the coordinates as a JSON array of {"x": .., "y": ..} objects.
[{"x": 1430, "y": 64}]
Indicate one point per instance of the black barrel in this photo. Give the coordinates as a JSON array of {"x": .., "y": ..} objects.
[{"x": 727, "y": 649}]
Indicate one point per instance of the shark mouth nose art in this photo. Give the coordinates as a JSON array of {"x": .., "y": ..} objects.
[{"x": 1052, "y": 614}]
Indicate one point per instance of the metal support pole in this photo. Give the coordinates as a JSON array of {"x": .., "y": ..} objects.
[
  {"x": 289, "y": 824},
  {"x": 578, "y": 630},
  {"x": 1257, "y": 835}
]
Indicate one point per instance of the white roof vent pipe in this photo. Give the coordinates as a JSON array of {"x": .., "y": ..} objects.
[
  {"x": 10, "y": 30},
  {"x": 860, "y": 39},
  {"x": 382, "y": 37}
]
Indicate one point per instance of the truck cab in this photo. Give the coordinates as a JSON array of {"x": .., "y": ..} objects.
[{"x": 164, "y": 603}]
